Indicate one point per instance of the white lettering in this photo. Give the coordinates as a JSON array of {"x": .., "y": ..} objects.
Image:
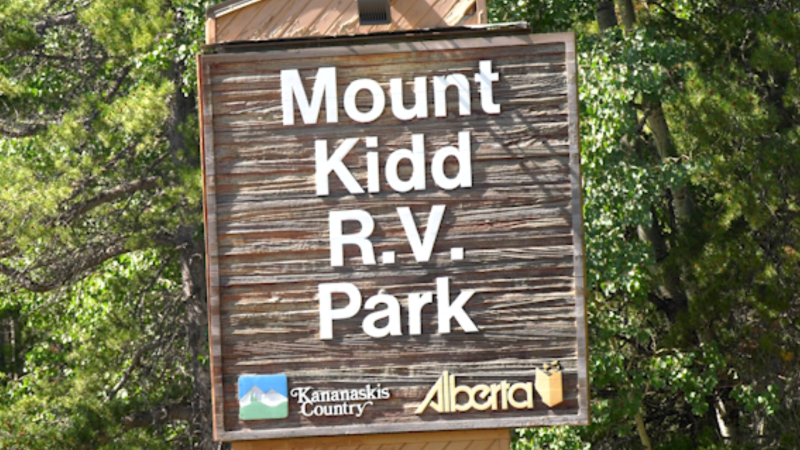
[
  {"x": 415, "y": 304},
  {"x": 485, "y": 78},
  {"x": 392, "y": 313},
  {"x": 301, "y": 394},
  {"x": 455, "y": 310},
  {"x": 326, "y": 312},
  {"x": 420, "y": 109},
  {"x": 325, "y": 165},
  {"x": 325, "y": 87},
  {"x": 338, "y": 239},
  {"x": 378, "y": 100},
  {"x": 292, "y": 88},
  {"x": 340, "y": 402},
  {"x": 440, "y": 85},
  {"x": 417, "y": 157},
  {"x": 422, "y": 249},
  {"x": 464, "y": 156},
  {"x": 373, "y": 167},
  {"x": 361, "y": 407}
]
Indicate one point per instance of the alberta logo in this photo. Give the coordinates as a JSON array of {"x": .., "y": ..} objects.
[
  {"x": 445, "y": 395},
  {"x": 263, "y": 397}
]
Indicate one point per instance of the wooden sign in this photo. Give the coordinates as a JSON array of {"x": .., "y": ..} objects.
[{"x": 394, "y": 237}]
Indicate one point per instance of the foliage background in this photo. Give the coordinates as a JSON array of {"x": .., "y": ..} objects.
[{"x": 690, "y": 158}]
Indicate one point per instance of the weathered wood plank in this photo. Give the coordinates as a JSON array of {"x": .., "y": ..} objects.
[
  {"x": 305, "y": 23},
  {"x": 347, "y": 23},
  {"x": 237, "y": 71},
  {"x": 400, "y": 11},
  {"x": 328, "y": 17}
]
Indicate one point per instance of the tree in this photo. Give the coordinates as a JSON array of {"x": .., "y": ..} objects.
[
  {"x": 102, "y": 288},
  {"x": 690, "y": 137},
  {"x": 689, "y": 134}
]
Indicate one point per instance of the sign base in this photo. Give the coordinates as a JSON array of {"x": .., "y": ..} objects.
[{"x": 451, "y": 440}]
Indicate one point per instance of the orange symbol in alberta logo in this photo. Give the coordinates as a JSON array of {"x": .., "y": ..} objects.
[{"x": 549, "y": 384}]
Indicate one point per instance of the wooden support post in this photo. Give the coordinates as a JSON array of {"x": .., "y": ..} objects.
[
  {"x": 482, "y": 11},
  {"x": 444, "y": 440}
]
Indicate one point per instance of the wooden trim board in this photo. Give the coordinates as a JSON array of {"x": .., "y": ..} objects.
[
  {"x": 446, "y": 440},
  {"x": 212, "y": 248},
  {"x": 421, "y": 45}
]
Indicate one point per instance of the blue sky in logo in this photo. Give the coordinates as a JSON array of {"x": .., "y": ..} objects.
[{"x": 264, "y": 382}]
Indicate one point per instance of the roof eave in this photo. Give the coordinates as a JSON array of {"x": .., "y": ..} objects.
[{"x": 228, "y": 7}]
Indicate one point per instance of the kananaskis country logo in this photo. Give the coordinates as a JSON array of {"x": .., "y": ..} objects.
[
  {"x": 263, "y": 397},
  {"x": 447, "y": 396}
]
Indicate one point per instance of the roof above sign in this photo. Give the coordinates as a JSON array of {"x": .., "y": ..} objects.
[{"x": 249, "y": 20}]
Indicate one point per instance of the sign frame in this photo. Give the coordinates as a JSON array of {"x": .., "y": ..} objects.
[{"x": 399, "y": 44}]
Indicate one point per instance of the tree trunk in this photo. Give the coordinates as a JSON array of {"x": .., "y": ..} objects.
[
  {"x": 642, "y": 431},
  {"x": 671, "y": 297},
  {"x": 194, "y": 290},
  {"x": 628, "y": 13},
  {"x": 682, "y": 197},
  {"x": 606, "y": 16}
]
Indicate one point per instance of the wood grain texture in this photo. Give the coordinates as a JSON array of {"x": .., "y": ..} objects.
[
  {"x": 462, "y": 440},
  {"x": 520, "y": 224},
  {"x": 212, "y": 250},
  {"x": 249, "y": 20}
]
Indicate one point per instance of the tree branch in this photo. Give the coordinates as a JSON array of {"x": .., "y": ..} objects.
[
  {"x": 42, "y": 26},
  {"x": 110, "y": 96},
  {"x": 158, "y": 415},
  {"x": 135, "y": 360},
  {"x": 73, "y": 268},
  {"x": 21, "y": 279},
  {"x": 22, "y": 130},
  {"x": 642, "y": 431},
  {"x": 118, "y": 83},
  {"x": 8, "y": 249},
  {"x": 107, "y": 196},
  {"x": 96, "y": 58}
]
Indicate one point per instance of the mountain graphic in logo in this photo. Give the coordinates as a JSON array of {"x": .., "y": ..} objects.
[{"x": 263, "y": 397}]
